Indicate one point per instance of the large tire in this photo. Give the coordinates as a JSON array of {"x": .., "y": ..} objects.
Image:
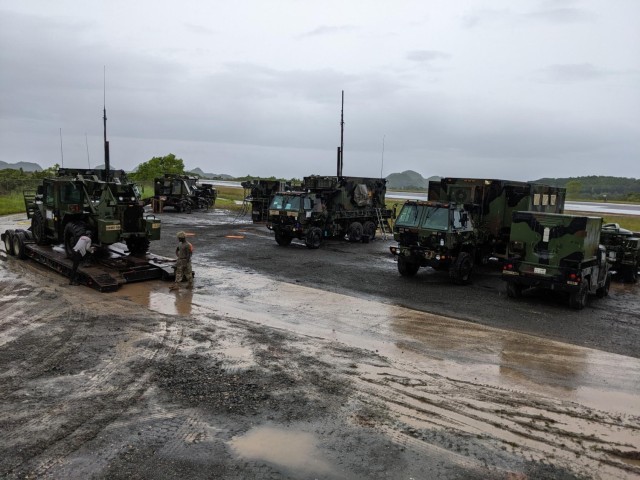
[
  {"x": 18, "y": 245},
  {"x": 313, "y": 238},
  {"x": 38, "y": 228},
  {"x": 369, "y": 230},
  {"x": 461, "y": 270},
  {"x": 138, "y": 245},
  {"x": 514, "y": 290},
  {"x": 8, "y": 242},
  {"x": 283, "y": 239},
  {"x": 355, "y": 232},
  {"x": 603, "y": 291},
  {"x": 407, "y": 266},
  {"x": 578, "y": 299},
  {"x": 72, "y": 232}
]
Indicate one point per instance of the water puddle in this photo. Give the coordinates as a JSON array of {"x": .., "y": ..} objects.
[
  {"x": 293, "y": 450},
  {"x": 453, "y": 348}
]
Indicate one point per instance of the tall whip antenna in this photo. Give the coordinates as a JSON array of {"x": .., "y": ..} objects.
[
  {"x": 86, "y": 142},
  {"x": 341, "y": 147},
  {"x": 107, "y": 166},
  {"x": 382, "y": 162}
]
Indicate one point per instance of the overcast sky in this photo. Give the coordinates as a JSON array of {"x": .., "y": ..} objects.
[{"x": 479, "y": 88}]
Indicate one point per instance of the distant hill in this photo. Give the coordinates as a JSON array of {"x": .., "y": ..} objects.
[
  {"x": 409, "y": 180},
  {"x": 25, "y": 166},
  {"x": 199, "y": 172}
]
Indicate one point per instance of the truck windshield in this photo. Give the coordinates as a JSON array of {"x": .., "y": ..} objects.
[
  {"x": 409, "y": 215},
  {"x": 284, "y": 202},
  {"x": 436, "y": 218}
]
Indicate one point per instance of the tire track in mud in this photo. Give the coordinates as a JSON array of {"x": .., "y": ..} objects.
[
  {"x": 80, "y": 403},
  {"x": 507, "y": 422}
]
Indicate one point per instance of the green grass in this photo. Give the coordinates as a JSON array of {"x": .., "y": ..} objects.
[
  {"x": 12, "y": 203},
  {"x": 227, "y": 197},
  {"x": 630, "y": 222}
]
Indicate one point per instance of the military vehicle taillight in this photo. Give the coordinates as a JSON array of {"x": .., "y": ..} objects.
[
  {"x": 508, "y": 266},
  {"x": 74, "y": 208}
]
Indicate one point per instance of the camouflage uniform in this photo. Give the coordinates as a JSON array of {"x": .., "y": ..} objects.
[{"x": 183, "y": 264}]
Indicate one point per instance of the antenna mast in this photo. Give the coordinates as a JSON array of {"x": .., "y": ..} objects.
[
  {"x": 341, "y": 147},
  {"x": 382, "y": 162},
  {"x": 86, "y": 142},
  {"x": 107, "y": 166}
]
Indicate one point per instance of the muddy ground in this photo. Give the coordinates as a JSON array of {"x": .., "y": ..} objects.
[{"x": 293, "y": 363}]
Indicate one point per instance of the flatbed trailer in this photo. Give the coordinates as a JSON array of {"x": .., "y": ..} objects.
[{"x": 105, "y": 272}]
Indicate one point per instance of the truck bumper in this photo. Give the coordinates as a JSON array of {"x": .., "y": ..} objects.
[
  {"x": 426, "y": 258},
  {"x": 543, "y": 282}
]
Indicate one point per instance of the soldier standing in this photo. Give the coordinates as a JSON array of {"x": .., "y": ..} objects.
[{"x": 183, "y": 263}]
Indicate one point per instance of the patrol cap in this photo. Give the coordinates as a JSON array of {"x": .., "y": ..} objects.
[{"x": 182, "y": 235}]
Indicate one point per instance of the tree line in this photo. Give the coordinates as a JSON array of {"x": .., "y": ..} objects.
[{"x": 597, "y": 187}]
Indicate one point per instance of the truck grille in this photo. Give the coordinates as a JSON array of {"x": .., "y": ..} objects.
[{"x": 131, "y": 219}]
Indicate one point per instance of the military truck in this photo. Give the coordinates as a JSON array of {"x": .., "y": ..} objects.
[
  {"x": 329, "y": 207},
  {"x": 64, "y": 207},
  {"x": 623, "y": 250},
  {"x": 205, "y": 193},
  {"x": 557, "y": 252},
  {"x": 183, "y": 193},
  {"x": 465, "y": 221},
  {"x": 259, "y": 193}
]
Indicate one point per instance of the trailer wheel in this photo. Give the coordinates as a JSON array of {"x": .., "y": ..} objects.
[
  {"x": 18, "y": 245},
  {"x": 355, "y": 232},
  {"x": 314, "y": 238},
  {"x": 8, "y": 241},
  {"x": 369, "y": 229},
  {"x": 461, "y": 269},
  {"x": 138, "y": 245},
  {"x": 578, "y": 299},
  {"x": 603, "y": 291},
  {"x": 407, "y": 267},
  {"x": 38, "y": 228},
  {"x": 514, "y": 290},
  {"x": 72, "y": 232},
  {"x": 283, "y": 239}
]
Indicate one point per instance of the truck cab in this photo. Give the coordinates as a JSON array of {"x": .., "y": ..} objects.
[
  {"x": 297, "y": 215},
  {"x": 437, "y": 235}
]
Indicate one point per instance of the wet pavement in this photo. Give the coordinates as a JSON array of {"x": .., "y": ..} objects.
[{"x": 493, "y": 389}]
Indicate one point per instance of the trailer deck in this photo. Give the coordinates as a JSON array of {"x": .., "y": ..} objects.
[{"x": 104, "y": 271}]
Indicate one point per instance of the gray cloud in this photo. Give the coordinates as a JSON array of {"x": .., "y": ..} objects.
[
  {"x": 571, "y": 73},
  {"x": 427, "y": 56},
  {"x": 198, "y": 29},
  {"x": 329, "y": 30},
  {"x": 280, "y": 116}
]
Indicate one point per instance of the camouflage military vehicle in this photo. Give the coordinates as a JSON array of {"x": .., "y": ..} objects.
[
  {"x": 65, "y": 206},
  {"x": 259, "y": 194},
  {"x": 557, "y": 252},
  {"x": 465, "y": 221},
  {"x": 623, "y": 250},
  {"x": 205, "y": 193},
  {"x": 329, "y": 207},
  {"x": 183, "y": 193}
]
